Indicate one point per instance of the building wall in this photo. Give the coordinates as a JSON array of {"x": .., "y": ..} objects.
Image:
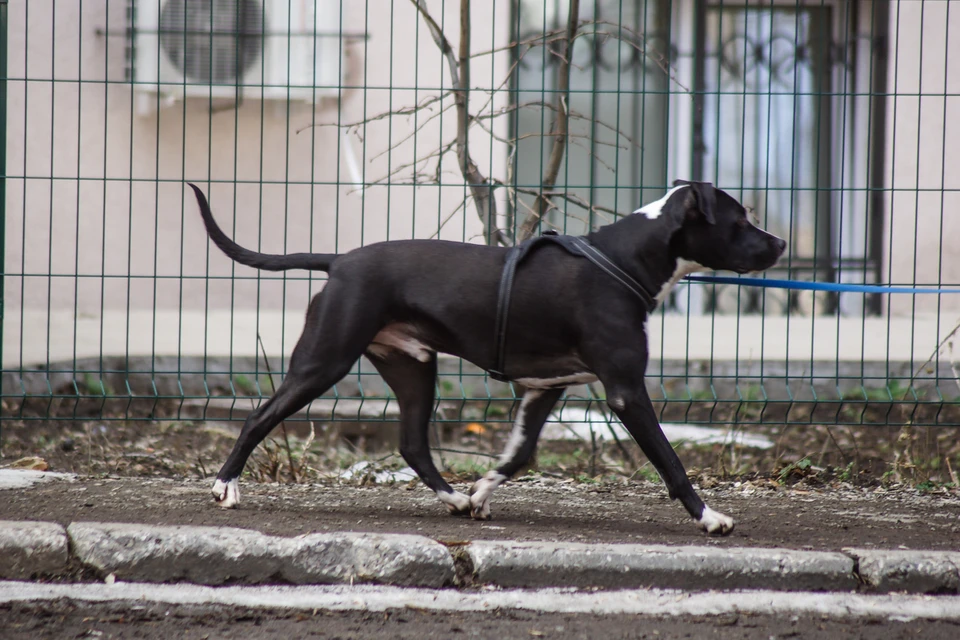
[
  {"x": 140, "y": 220},
  {"x": 117, "y": 213},
  {"x": 923, "y": 152}
]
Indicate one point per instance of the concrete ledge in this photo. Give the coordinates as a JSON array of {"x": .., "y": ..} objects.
[
  {"x": 215, "y": 555},
  {"x": 398, "y": 559},
  {"x": 31, "y": 549},
  {"x": 910, "y": 571},
  {"x": 222, "y": 555},
  {"x": 534, "y": 564}
]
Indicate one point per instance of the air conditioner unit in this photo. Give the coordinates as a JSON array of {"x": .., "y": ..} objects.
[{"x": 249, "y": 49}]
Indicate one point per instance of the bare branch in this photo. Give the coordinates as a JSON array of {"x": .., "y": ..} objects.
[
  {"x": 559, "y": 128},
  {"x": 480, "y": 188},
  {"x": 571, "y": 197},
  {"x": 449, "y": 217},
  {"x": 413, "y": 134},
  {"x": 402, "y": 111}
]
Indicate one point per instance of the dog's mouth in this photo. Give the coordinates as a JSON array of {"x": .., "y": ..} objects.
[{"x": 754, "y": 269}]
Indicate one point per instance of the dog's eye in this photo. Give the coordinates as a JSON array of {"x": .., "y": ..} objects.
[{"x": 743, "y": 223}]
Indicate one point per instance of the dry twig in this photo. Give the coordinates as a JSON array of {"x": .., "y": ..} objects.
[
  {"x": 480, "y": 188},
  {"x": 559, "y": 129}
]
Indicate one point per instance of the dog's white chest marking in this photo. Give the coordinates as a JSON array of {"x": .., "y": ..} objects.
[
  {"x": 398, "y": 337},
  {"x": 653, "y": 209},
  {"x": 684, "y": 268}
]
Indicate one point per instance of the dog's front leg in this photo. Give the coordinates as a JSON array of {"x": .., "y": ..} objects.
[{"x": 628, "y": 398}]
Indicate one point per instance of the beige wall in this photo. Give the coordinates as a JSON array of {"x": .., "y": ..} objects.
[
  {"x": 85, "y": 129},
  {"x": 923, "y": 151},
  {"x": 90, "y": 130}
]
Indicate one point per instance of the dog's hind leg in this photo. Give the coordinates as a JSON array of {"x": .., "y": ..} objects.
[
  {"x": 413, "y": 382},
  {"x": 533, "y": 412},
  {"x": 334, "y": 337}
]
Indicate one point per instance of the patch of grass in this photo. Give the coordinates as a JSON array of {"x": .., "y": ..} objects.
[
  {"x": 447, "y": 388},
  {"x": 703, "y": 395},
  {"x": 800, "y": 468},
  {"x": 245, "y": 385},
  {"x": 467, "y": 468},
  {"x": 848, "y": 473},
  {"x": 587, "y": 479},
  {"x": 557, "y": 460},
  {"x": 649, "y": 474},
  {"x": 497, "y": 411},
  {"x": 93, "y": 386}
]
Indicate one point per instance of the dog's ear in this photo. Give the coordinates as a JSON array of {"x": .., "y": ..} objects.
[{"x": 706, "y": 197}]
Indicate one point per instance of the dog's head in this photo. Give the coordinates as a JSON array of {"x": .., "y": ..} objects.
[{"x": 709, "y": 227}]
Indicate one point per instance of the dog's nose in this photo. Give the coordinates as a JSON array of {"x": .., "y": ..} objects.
[{"x": 781, "y": 245}]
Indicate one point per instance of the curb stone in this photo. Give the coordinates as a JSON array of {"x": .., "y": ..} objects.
[
  {"x": 216, "y": 555},
  {"x": 531, "y": 564},
  {"x": 910, "y": 571},
  {"x": 29, "y": 549}
]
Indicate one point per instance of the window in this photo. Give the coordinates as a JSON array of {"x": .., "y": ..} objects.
[{"x": 774, "y": 102}]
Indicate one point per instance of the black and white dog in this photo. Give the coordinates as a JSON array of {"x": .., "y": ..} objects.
[{"x": 570, "y": 321}]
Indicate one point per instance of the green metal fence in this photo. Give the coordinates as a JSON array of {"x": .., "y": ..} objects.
[{"x": 327, "y": 125}]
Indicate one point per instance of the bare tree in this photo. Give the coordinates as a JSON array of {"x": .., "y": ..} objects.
[{"x": 558, "y": 43}]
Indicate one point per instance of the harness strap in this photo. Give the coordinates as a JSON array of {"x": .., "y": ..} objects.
[{"x": 575, "y": 245}]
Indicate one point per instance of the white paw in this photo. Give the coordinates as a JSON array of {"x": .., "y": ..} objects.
[
  {"x": 457, "y": 503},
  {"x": 480, "y": 494},
  {"x": 715, "y": 522},
  {"x": 227, "y": 494},
  {"x": 480, "y": 507}
]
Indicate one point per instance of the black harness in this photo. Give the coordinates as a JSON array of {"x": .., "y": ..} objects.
[{"x": 574, "y": 245}]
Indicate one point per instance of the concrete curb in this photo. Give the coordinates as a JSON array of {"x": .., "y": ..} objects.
[
  {"x": 30, "y": 549},
  {"x": 218, "y": 555},
  {"x": 530, "y": 564},
  {"x": 222, "y": 555},
  {"x": 909, "y": 571}
]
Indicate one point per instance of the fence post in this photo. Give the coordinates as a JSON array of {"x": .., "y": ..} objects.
[{"x": 3, "y": 167}]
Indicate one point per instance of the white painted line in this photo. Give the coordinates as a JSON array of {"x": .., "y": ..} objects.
[{"x": 374, "y": 598}]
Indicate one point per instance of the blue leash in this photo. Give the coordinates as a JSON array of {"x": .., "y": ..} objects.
[{"x": 798, "y": 285}]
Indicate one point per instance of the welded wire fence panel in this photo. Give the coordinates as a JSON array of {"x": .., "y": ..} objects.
[{"x": 330, "y": 125}]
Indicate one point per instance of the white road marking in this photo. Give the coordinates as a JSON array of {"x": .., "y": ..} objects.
[{"x": 657, "y": 602}]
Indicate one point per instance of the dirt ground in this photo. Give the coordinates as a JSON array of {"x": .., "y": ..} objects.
[
  {"x": 159, "y": 622},
  {"x": 160, "y": 473},
  {"x": 868, "y": 454},
  {"x": 535, "y": 508}
]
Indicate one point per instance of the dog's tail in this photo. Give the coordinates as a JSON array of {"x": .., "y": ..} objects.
[{"x": 265, "y": 261}]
